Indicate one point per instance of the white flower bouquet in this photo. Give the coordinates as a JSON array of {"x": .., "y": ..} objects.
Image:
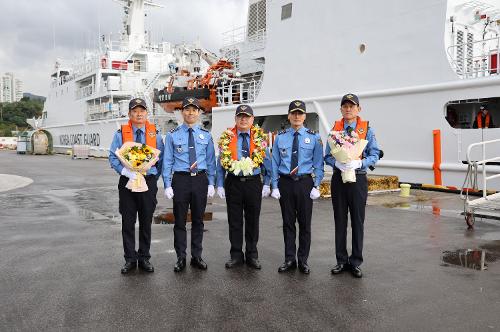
[{"x": 345, "y": 148}]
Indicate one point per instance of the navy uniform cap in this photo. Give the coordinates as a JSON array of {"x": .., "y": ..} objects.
[
  {"x": 244, "y": 109},
  {"x": 351, "y": 98},
  {"x": 297, "y": 105},
  {"x": 191, "y": 101},
  {"x": 137, "y": 102}
]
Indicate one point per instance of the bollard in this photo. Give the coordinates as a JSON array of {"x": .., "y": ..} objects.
[{"x": 405, "y": 190}]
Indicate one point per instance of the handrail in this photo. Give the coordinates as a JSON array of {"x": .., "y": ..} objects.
[{"x": 483, "y": 161}]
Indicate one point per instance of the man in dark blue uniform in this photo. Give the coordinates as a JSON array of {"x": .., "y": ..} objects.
[
  {"x": 297, "y": 155},
  {"x": 133, "y": 204},
  {"x": 243, "y": 193},
  {"x": 189, "y": 177},
  {"x": 351, "y": 197}
]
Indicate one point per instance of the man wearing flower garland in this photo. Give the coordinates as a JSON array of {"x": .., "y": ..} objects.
[
  {"x": 189, "y": 177},
  {"x": 351, "y": 197},
  {"x": 297, "y": 155},
  {"x": 244, "y": 157},
  {"x": 133, "y": 204}
]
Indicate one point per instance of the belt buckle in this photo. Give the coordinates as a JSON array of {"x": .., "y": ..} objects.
[
  {"x": 193, "y": 173},
  {"x": 295, "y": 177},
  {"x": 243, "y": 179}
]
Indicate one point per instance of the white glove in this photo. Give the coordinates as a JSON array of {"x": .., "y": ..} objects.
[
  {"x": 276, "y": 193},
  {"x": 314, "y": 193},
  {"x": 126, "y": 172},
  {"x": 211, "y": 191},
  {"x": 221, "y": 192},
  {"x": 266, "y": 190},
  {"x": 355, "y": 164},
  {"x": 340, "y": 166},
  {"x": 169, "y": 193}
]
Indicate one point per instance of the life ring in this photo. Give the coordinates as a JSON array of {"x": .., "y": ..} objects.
[{"x": 104, "y": 63}]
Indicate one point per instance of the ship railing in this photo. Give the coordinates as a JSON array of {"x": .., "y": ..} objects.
[
  {"x": 234, "y": 36},
  {"x": 123, "y": 46},
  {"x": 103, "y": 111},
  {"x": 237, "y": 93},
  {"x": 468, "y": 64},
  {"x": 240, "y": 35},
  {"x": 85, "y": 91}
]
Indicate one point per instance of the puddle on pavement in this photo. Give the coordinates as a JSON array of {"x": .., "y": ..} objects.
[
  {"x": 92, "y": 216},
  {"x": 434, "y": 208},
  {"x": 475, "y": 259}
]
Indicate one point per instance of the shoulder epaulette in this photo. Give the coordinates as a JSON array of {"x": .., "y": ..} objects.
[
  {"x": 157, "y": 131},
  {"x": 119, "y": 130},
  {"x": 282, "y": 132},
  {"x": 173, "y": 130},
  {"x": 310, "y": 131},
  {"x": 204, "y": 129}
]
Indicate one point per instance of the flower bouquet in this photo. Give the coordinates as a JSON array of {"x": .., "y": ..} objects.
[
  {"x": 138, "y": 158},
  {"x": 245, "y": 166},
  {"x": 345, "y": 148}
]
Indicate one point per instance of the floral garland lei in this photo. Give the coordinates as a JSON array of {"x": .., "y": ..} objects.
[{"x": 245, "y": 165}]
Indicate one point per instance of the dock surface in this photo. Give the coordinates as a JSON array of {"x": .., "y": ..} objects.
[{"x": 61, "y": 254}]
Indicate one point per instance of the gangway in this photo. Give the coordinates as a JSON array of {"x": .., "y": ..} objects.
[{"x": 490, "y": 201}]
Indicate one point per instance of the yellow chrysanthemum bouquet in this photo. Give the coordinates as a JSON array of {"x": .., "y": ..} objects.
[{"x": 138, "y": 158}]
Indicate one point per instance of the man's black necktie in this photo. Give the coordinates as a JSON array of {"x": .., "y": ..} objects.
[
  {"x": 192, "y": 152},
  {"x": 244, "y": 146},
  {"x": 138, "y": 136},
  {"x": 295, "y": 154}
]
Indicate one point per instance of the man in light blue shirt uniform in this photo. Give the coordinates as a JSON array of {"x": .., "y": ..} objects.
[
  {"x": 297, "y": 154},
  {"x": 351, "y": 197},
  {"x": 133, "y": 204},
  {"x": 243, "y": 193},
  {"x": 189, "y": 177}
]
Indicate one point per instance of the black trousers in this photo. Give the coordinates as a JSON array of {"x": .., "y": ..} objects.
[
  {"x": 243, "y": 198},
  {"x": 131, "y": 205},
  {"x": 189, "y": 192},
  {"x": 349, "y": 197},
  {"x": 296, "y": 205}
]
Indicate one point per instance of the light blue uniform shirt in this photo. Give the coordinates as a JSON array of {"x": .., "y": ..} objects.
[
  {"x": 370, "y": 153},
  {"x": 310, "y": 155},
  {"x": 117, "y": 143},
  {"x": 176, "y": 153},
  {"x": 265, "y": 168}
]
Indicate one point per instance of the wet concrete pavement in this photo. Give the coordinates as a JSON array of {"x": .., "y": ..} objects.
[{"x": 61, "y": 255}]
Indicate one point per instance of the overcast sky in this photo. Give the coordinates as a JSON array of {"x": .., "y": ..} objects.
[{"x": 28, "y": 29}]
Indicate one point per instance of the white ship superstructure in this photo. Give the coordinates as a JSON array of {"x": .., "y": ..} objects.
[
  {"x": 414, "y": 64},
  {"x": 88, "y": 98}
]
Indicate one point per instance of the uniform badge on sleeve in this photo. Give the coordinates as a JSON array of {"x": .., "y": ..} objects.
[
  {"x": 202, "y": 136},
  {"x": 307, "y": 140}
]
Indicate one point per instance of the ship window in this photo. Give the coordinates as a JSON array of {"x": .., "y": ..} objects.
[
  {"x": 286, "y": 11},
  {"x": 467, "y": 114}
]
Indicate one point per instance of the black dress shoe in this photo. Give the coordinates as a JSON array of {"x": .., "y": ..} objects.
[
  {"x": 254, "y": 263},
  {"x": 233, "y": 262},
  {"x": 129, "y": 266},
  {"x": 287, "y": 266},
  {"x": 304, "y": 268},
  {"x": 180, "y": 265},
  {"x": 356, "y": 272},
  {"x": 339, "y": 268},
  {"x": 145, "y": 265},
  {"x": 198, "y": 263}
]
